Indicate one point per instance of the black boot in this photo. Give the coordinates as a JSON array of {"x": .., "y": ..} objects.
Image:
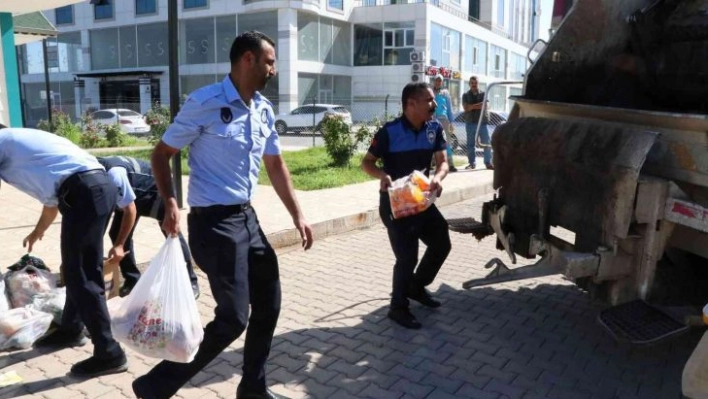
[
  {"x": 404, "y": 317},
  {"x": 94, "y": 367},
  {"x": 62, "y": 339}
]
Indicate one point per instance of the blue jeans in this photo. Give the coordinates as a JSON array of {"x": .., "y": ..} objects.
[{"x": 471, "y": 129}]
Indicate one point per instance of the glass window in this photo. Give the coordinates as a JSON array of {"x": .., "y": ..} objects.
[
  {"x": 307, "y": 87},
  {"x": 266, "y": 22},
  {"x": 368, "y": 45},
  {"x": 336, "y": 4},
  {"x": 225, "y": 35},
  {"x": 436, "y": 44},
  {"x": 497, "y": 61},
  {"x": 128, "y": 47},
  {"x": 325, "y": 40},
  {"x": 68, "y": 53},
  {"x": 194, "y": 4},
  {"x": 64, "y": 15},
  {"x": 190, "y": 83},
  {"x": 342, "y": 43},
  {"x": 104, "y": 48},
  {"x": 145, "y": 7},
  {"x": 398, "y": 43},
  {"x": 198, "y": 44},
  {"x": 103, "y": 11},
  {"x": 152, "y": 44},
  {"x": 497, "y": 98},
  {"x": 500, "y": 12},
  {"x": 307, "y": 37},
  {"x": 517, "y": 67}
]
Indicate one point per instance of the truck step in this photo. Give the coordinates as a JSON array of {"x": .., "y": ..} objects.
[
  {"x": 637, "y": 322},
  {"x": 469, "y": 226}
]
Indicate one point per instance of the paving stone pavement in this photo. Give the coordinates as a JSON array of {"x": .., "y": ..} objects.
[{"x": 530, "y": 339}]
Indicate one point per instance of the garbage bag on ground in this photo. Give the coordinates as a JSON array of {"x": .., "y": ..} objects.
[
  {"x": 26, "y": 279},
  {"x": 4, "y": 302},
  {"x": 410, "y": 195},
  {"x": 21, "y": 327},
  {"x": 51, "y": 302},
  {"x": 160, "y": 317}
]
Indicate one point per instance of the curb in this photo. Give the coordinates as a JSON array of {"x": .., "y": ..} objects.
[{"x": 361, "y": 220}]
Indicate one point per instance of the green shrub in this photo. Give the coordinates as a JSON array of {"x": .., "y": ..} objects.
[
  {"x": 62, "y": 125},
  {"x": 91, "y": 134},
  {"x": 114, "y": 135},
  {"x": 158, "y": 118}
]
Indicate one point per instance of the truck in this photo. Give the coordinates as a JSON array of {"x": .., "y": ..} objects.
[{"x": 601, "y": 172}]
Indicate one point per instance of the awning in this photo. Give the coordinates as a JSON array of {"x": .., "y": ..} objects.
[
  {"x": 19, "y": 7},
  {"x": 31, "y": 27},
  {"x": 116, "y": 73}
]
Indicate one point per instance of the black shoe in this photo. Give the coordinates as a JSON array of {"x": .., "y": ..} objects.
[
  {"x": 195, "y": 290},
  {"x": 422, "y": 296},
  {"x": 489, "y": 166},
  {"x": 267, "y": 394},
  {"x": 62, "y": 339},
  {"x": 452, "y": 169},
  {"x": 94, "y": 367},
  {"x": 404, "y": 317},
  {"x": 125, "y": 290},
  {"x": 143, "y": 390},
  {"x": 471, "y": 166}
]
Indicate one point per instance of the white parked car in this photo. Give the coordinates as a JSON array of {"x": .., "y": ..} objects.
[
  {"x": 130, "y": 122},
  {"x": 459, "y": 139},
  {"x": 301, "y": 118}
]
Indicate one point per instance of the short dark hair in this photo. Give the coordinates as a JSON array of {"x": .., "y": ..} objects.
[
  {"x": 412, "y": 90},
  {"x": 249, "y": 41},
  {"x": 474, "y": 78}
]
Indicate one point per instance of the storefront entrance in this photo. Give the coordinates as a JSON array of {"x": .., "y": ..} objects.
[{"x": 125, "y": 93}]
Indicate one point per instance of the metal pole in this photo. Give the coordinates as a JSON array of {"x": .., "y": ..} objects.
[
  {"x": 313, "y": 121},
  {"x": 386, "y": 108},
  {"x": 19, "y": 79},
  {"x": 46, "y": 82},
  {"x": 174, "y": 90}
]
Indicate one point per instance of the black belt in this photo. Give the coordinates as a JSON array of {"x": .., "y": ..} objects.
[
  {"x": 69, "y": 181},
  {"x": 203, "y": 210}
]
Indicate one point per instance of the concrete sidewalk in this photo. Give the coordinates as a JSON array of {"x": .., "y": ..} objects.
[{"x": 329, "y": 211}]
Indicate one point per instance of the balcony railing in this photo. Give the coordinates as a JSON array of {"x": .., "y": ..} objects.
[{"x": 445, "y": 7}]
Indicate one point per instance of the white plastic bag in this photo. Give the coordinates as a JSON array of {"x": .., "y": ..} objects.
[
  {"x": 160, "y": 318},
  {"x": 51, "y": 302},
  {"x": 20, "y": 327},
  {"x": 410, "y": 195},
  {"x": 4, "y": 302},
  {"x": 27, "y": 282}
]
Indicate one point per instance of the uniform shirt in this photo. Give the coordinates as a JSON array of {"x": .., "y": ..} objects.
[
  {"x": 404, "y": 150},
  {"x": 227, "y": 140},
  {"x": 119, "y": 177},
  {"x": 472, "y": 98},
  {"x": 37, "y": 162},
  {"x": 444, "y": 104}
]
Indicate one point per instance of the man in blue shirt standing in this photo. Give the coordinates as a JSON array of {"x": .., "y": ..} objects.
[
  {"x": 68, "y": 180},
  {"x": 406, "y": 144},
  {"x": 229, "y": 128},
  {"x": 444, "y": 115}
]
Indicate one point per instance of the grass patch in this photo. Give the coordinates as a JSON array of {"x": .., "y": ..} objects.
[{"x": 311, "y": 169}]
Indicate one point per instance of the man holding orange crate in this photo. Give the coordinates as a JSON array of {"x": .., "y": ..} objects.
[{"x": 405, "y": 145}]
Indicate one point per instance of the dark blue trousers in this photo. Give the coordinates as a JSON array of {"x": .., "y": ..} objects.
[
  {"x": 85, "y": 203},
  {"x": 230, "y": 247},
  {"x": 431, "y": 228}
]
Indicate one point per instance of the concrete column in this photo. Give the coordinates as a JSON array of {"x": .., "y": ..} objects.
[
  {"x": 79, "y": 95},
  {"x": 145, "y": 94},
  {"x": 286, "y": 52}
]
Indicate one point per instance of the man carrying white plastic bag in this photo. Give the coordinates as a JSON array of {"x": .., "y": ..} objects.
[{"x": 160, "y": 318}]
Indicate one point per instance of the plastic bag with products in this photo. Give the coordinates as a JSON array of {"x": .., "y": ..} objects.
[{"x": 410, "y": 195}]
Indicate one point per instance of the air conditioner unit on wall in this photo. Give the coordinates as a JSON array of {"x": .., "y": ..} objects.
[
  {"x": 416, "y": 77},
  {"x": 417, "y": 56},
  {"x": 417, "y": 67}
]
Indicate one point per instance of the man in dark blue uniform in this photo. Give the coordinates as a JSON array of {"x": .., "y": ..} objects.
[
  {"x": 229, "y": 128},
  {"x": 68, "y": 180},
  {"x": 135, "y": 175},
  {"x": 406, "y": 144}
]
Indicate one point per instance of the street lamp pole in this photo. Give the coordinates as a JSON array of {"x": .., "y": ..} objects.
[{"x": 174, "y": 90}]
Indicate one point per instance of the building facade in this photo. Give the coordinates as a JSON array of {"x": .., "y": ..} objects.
[{"x": 356, "y": 53}]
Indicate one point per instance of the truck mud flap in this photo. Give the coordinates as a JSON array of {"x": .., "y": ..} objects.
[{"x": 589, "y": 170}]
